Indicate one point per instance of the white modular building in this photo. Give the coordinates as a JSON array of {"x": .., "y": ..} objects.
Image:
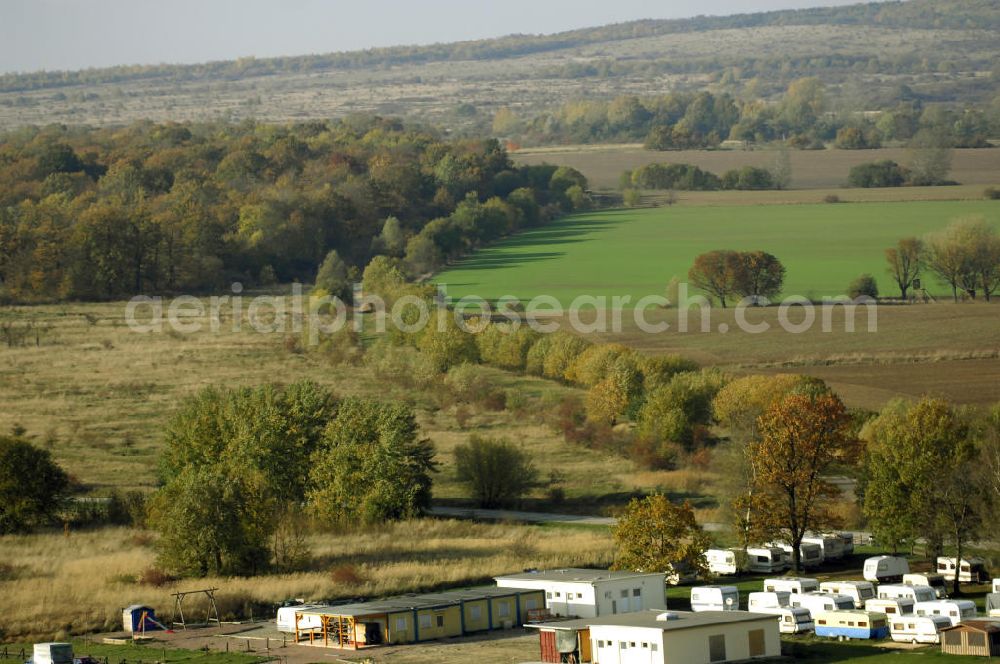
[{"x": 588, "y": 593}]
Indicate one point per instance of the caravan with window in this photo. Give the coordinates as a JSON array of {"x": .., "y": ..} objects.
[
  {"x": 973, "y": 570},
  {"x": 917, "y": 629},
  {"x": 853, "y": 624},
  {"x": 715, "y": 598},
  {"x": 859, "y": 591},
  {"x": 817, "y": 602},
  {"x": 766, "y": 559},
  {"x": 890, "y": 607},
  {"x": 956, "y": 610}
]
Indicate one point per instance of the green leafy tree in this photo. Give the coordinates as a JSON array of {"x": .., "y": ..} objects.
[
  {"x": 496, "y": 472},
  {"x": 657, "y": 535},
  {"x": 371, "y": 466},
  {"x": 33, "y": 487},
  {"x": 863, "y": 286},
  {"x": 333, "y": 277}
]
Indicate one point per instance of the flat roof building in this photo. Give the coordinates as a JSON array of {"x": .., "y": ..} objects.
[
  {"x": 658, "y": 637},
  {"x": 587, "y": 593}
]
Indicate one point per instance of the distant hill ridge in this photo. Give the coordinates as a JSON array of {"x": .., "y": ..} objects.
[{"x": 914, "y": 14}]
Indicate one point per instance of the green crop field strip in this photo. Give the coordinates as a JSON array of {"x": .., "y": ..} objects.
[{"x": 636, "y": 252}]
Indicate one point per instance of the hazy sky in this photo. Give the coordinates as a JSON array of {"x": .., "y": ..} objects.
[{"x": 74, "y": 34}]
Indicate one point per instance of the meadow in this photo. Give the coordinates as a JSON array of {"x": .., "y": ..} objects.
[
  {"x": 57, "y": 585},
  {"x": 637, "y": 252}
]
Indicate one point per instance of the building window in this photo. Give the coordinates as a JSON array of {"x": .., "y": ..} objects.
[
  {"x": 645, "y": 645},
  {"x": 475, "y": 612},
  {"x": 717, "y": 648},
  {"x": 654, "y": 647},
  {"x": 530, "y": 604},
  {"x": 440, "y": 621},
  {"x": 624, "y": 645},
  {"x": 631, "y": 644},
  {"x": 975, "y": 639},
  {"x": 607, "y": 594},
  {"x": 558, "y": 594},
  {"x": 503, "y": 609},
  {"x": 625, "y": 593},
  {"x": 953, "y": 638},
  {"x": 400, "y": 624},
  {"x": 579, "y": 595},
  {"x": 600, "y": 644},
  {"x": 756, "y": 638},
  {"x": 425, "y": 621},
  {"x": 548, "y": 595},
  {"x": 636, "y": 592}
]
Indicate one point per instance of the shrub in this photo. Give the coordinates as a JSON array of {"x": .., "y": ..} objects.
[
  {"x": 886, "y": 173},
  {"x": 748, "y": 178},
  {"x": 684, "y": 177},
  {"x": 562, "y": 349},
  {"x": 594, "y": 363},
  {"x": 660, "y": 369},
  {"x": 631, "y": 197},
  {"x": 467, "y": 382},
  {"x": 505, "y": 345},
  {"x": 992, "y": 194},
  {"x": 864, "y": 285},
  {"x": 831, "y": 198},
  {"x": 347, "y": 575},
  {"x": 156, "y": 577},
  {"x": 496, "y": 472}
]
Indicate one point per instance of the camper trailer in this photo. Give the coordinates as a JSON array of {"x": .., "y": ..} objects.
[
  {"x": 768, "y": 600},
  {"x": 885, "y": 569},
  {"x": 766, "y": 559},
  {"x": 917, "y": 629},
  {"x": 817, "y": 602},
  {"x": 790, "y": 621},
  {"x": 890, "y": 607},
  {"x": 790, "y": 584},
  {"x": 859, "y": 591},
  {"x": 916, "y": 593},
  {"x": 285, "y": 622},
  {"x": 715, "y": 598},
  {"x": 956, "y": 610},
  {"x": 973, "y": 570},
  {"x": 992, "y": 605},
  {"x": 810, "y": 553},
  {"x": 996, "y": 585},
  {"x": 935, "y": 581},
  {"x": 831, "y": 546},
  {"x": 852, "y": 624},
  {"x": 722, "y": 561}
]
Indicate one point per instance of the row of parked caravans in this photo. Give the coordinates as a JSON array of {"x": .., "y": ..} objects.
[
  {"x": 843, "y": 609},
  {"x": 777, "y": 556}
]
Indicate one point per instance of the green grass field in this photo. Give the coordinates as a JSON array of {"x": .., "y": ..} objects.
[{"x": 636, "y": 252}]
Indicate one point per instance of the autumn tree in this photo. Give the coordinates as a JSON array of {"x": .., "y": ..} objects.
[
  {"x": 799, "y": 437},
  {"x": 496, "y": 472},
  {"x": 333, "y": 277},
  {"x": 657, "y": 535},
  {"x": 904, "y": 263},
  {"x": 715, "y": 272},
  {"x": 759, "y": 275},
  {"x": 737, "y": 407}
]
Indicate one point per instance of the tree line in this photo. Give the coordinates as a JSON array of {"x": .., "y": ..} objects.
[
  {"x": 106, "y": 213},
  {"x": 802, "y": 118},
  {"x": 965, "y": 256}
]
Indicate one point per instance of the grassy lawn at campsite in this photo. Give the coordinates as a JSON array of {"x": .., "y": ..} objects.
[{"x": 637, "y": 252}]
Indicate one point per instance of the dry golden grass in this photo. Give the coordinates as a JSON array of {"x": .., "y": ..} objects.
[
  {"x": 98, "y": 395},
  {"x": 79, "y": 583}
]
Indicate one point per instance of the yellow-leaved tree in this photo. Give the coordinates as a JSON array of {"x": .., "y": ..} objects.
[{"x": 657, "y": 535}]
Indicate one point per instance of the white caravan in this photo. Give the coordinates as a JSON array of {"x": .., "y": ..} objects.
[
  {"x": 810, "y": 554},
  {"x": 817, "y": 602},
  {"x": 917, "y": 629},
  {"x": 848, "y": 541},
  {"x": 859, "y": 591},
  {"x": 790, "y": 621},
  {"x": 891, "y": 607},
  {"x": 768, "y": 600},
  {"x": 973, "y": 570},
  {"x": 722, "y": 561},
  {"x": 715, "y": 598},
  {"x": 790, "y": 584},
  {"x": 935, "y": 581},
  {"x": 996, "y": 585},
  {"x": 956, "y": 610},
  {"x": 885, "y": 569},
  {"x": 831, "y": 545},
  {"x": 766, "y": 559},
  {"x": 285, "y": 621},
  {"x": 916, "y": 593}
]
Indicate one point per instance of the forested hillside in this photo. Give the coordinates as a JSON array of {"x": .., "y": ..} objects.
[
  {"x": 97, "y": 214},
  {"x": 871, "y": 57}
]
